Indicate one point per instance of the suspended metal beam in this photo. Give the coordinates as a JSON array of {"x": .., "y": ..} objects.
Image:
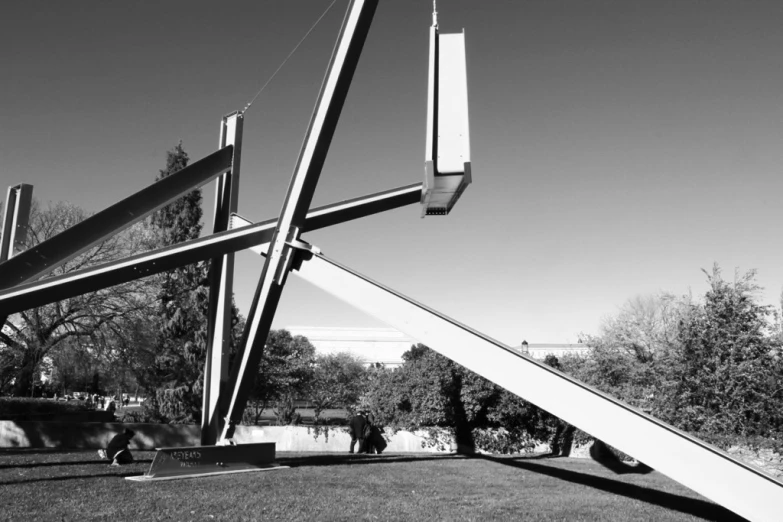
[
  {"x": 447, "y": 170},
  {"x": 63, "y": 247},
  {"x": 705, "y": 469},
  {"x": 319, "y": 135},
  {"x": 221, "y": 283},
  {"x": 52, "y": 289}
]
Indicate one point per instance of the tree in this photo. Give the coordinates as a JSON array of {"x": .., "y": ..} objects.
[
  {"x": 645, "y": 327},
  {"x": 73, "y": 368},
  {"x": 727, "y": 379},
  {"x": 32, "y": 335},
  {"x": 337, "y": 380},
  {"x": 283, "y": 375},
  {"x": 712, "y": 367},
  {"x": 631, "y": 357},
  {"x": 175, "y": 376},
  {"x": 429, "y": 390}
]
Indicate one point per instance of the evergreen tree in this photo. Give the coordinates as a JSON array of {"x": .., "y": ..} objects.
[{"x": 177, "y": 373}]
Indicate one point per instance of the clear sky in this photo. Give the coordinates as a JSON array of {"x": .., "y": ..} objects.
[{"x": 618, "y": 147}]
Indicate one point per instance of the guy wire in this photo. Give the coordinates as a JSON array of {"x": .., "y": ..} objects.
[{"x": 287, "y": 57}]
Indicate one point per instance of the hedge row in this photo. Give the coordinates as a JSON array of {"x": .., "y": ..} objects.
[{"x": 24, "y": 405}]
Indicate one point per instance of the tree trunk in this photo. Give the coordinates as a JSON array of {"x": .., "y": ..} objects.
[
  {"x": 25, "y": 377},
  {"x": 463, "y": 431}
]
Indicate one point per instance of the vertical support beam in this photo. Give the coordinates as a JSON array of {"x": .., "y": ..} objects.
[
  {"x": 8, "y": 219},
  {"x": 221, "y": 283},
  {"x": 319, "y": 135},
  {"x": 15, "y": 219}
]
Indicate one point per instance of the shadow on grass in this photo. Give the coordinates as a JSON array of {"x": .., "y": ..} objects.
[
  {"x": 699, "y": 508},
  {"x": 67, "y": 463},
  {"x": 32, "y": 451},
  {"x": 69, "y": 477},
  {"x": 358, "y": 459},
  {"x": 691, "y": 506}
]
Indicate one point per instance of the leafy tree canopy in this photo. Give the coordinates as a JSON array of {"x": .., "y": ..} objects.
[
  {"x": 429, "y": 390},
  {"x": 283, "y": 375},
  {"x": 712, "y": 367},
  {"x": 338, "y": 379},
  {"x": 32, "y": 337}
]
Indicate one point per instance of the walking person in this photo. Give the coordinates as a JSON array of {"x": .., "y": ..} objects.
[
  {"x": 375, "y": 442},
  {"x": 357, "y": 427},
  {"x": 369, "y": 447}
]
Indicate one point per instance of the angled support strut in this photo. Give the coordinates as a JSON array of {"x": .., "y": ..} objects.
[
  {"x": 63, "y": 247},
  {"x": 705, "y": 469}
]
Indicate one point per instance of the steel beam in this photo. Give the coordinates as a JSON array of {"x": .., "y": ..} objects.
[
  {"x": 347, "y": 210},
  {"x": 431, "y": 140},
  {"x": 241, "y": 237},
  {"x": 221, "y": 282},
  {"x": 15, "y": 220},
  {"x": 705, "y": 469},
  {"x": 319, "y": 135},
  {"x": 63, "y": 247},
  {"x": 447, "y": 170}
]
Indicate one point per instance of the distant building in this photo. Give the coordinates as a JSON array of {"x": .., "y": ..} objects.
[
  {"x": 386, "y": 345},
  {"x": 372, "y": 345},
  {"x": 541, "y": 350}
]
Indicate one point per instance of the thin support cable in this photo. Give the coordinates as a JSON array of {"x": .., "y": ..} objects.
[{"x": 286, "y": 58}]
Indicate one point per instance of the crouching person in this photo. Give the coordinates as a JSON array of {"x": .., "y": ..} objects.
[{"x": 118, "y": 451}]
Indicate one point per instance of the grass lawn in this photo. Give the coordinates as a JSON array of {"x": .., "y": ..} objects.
[{"x": 75, "y": 485}]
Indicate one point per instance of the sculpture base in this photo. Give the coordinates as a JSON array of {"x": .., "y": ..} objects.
[{"x": 202, "y": 461}]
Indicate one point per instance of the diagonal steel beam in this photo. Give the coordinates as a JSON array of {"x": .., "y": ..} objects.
[
  {"x": 98, "y": 277},
  {"x": 706, "y": 469},
  {"x": 319, "y": 135},
  {"x": 63, "y": 247}
]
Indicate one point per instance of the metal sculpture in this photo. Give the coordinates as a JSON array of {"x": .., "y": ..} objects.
[{"x": 708, "y": 470}]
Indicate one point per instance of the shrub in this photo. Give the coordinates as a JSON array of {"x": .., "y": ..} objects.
[
  {"x": 286, "y": 413},
  {"x": 11, "y": 406}
]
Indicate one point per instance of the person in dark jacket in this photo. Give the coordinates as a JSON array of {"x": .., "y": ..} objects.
[
  {"x": 376, "y": 443},
  {"x": 118, "y": 451},
  {"x": 357, "y": 425}
]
